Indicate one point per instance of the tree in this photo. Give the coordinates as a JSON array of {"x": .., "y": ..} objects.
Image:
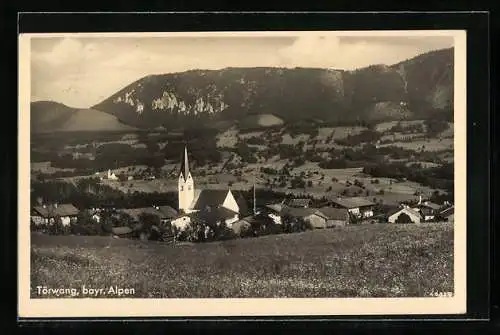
[
  {"x": 298, "y": 182},
  {"x": 150, "y": 224}
]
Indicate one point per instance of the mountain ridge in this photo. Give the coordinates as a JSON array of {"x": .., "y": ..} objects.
[{"x": 418, "y": 88}]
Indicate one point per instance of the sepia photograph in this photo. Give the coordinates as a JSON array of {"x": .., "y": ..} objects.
[{"x": 257, "y": 173}]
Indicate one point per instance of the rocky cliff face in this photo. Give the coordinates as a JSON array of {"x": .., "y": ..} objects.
[{"x": 419, "y": 87}]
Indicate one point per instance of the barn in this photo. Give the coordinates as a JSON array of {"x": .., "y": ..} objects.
[
  {"x": 357, "y": 206},
  {"x": 405, "y": 215}
]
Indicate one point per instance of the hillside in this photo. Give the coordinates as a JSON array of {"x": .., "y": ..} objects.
[
  {"x": 414, "y": 89},
  {"x": 49, "y": 116},
  {"x": 353, "y": 261}
]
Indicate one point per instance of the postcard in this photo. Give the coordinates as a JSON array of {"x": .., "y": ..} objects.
[{"x": 242, "y": 173}]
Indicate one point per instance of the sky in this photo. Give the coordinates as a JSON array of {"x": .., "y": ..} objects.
[{"x": 82, "y": 71}]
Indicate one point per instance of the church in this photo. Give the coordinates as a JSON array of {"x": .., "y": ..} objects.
[{"x": 228, "y": 204}]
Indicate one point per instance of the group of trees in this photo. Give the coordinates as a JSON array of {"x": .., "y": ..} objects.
[
  {"x": 441, "y": 177},
  {"x": 88, "y": 193},
  {"x": 367, "y": 136}
]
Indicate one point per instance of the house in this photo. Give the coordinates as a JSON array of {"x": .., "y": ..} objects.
[
  {"x": 181, "y": 221},
  {"x": 304, "y": 203},
  {"x": 208, "y": 216},
  {"x": 274, "y": 212},
  {"x": 405, "y": 214},
  {"x": 192, "y": 200},
  {"x": 428, "y": 209},
  {"x": 217, "y": 215},
  {"x": 168, "y": 212},
  {"x": 48, "y": 214},
  {"x": 358, "y": 207},
  {"x": 335, "y": 216},
  {"x": 310, "y": 215},
  {"x": 95, "y": 214},
  {"x": 111, "y": 175},
  {"x": 448, "y": 214}
]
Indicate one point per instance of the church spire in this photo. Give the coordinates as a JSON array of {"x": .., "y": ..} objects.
[{"x": 185, "y": 164}]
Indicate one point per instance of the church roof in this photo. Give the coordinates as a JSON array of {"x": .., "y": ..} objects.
[
  {"x": 184, "y": 164},
  {"x": 241, "y": 201},
  {"x": 210, "y": 198}
]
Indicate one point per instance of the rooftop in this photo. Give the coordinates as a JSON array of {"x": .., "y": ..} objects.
[
  {"x": 331, "y": 213},
  {"x": 352, "y": 202},
  {"x": 56, "y": 210}
]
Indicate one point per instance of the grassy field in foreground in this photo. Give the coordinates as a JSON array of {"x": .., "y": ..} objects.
[{"x": 355, "y": 261}]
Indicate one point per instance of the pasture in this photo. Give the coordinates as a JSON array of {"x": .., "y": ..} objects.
[
  {"x": 424, "y": 145},
  {"x": 379, "y": 260}
]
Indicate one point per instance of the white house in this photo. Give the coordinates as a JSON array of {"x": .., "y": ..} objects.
[
  {"x": 48, "y": 214},
  {"x": 111, "y": 175},
  {"x": 274, "y": 212},
  {"x": 359, "y": 207}
]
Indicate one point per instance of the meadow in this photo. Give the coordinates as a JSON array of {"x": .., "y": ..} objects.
[{"x": 377, "y": 260}]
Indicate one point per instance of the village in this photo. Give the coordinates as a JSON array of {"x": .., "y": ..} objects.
[{"x": 200, "y": 214}]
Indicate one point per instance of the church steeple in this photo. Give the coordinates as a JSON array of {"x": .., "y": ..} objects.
[
  {"x": 186, "y": 184},
  {"x": 185, "y": 164}
]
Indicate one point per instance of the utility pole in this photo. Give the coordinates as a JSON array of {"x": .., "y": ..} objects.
[{"x": 254, "y": 197}]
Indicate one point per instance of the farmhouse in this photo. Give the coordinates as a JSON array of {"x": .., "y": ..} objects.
[
  {"x": 427, "y": 209},
  {"x": 274, "y": 212},
  {"x": 358, "y": 207},
  {"x": 48, "y": 214},
  {"x": 310, "y": 215},
  {"x": 168, "y": 212},
  {"x": 191, "y": 200},
  {"x": 208, "y": 216},
  {"x": 335, "y": 216},
  {"x": 405, "y": 215}
]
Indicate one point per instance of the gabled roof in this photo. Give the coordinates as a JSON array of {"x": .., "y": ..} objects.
[
  {"x": 409, "y": 211},
  {"x": 210, "y": 198},
  {"x": 213, "y": 214},
  {"x": 241, "y": 201},
  {"x": 184, "y": 164},
  {"x": 299, "y": 202},
  {"x": 168, "y": 212},
  {"x": 430, "y": 205},
  {"x": 59, "y": 210},
  {"x": 448, "y": 211},
  {"x": 275, "y": 207},
  {"x": 331, "y": 213},
  {"x": 299, "y": 211},
  {"x": 352, "y": 202}
]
